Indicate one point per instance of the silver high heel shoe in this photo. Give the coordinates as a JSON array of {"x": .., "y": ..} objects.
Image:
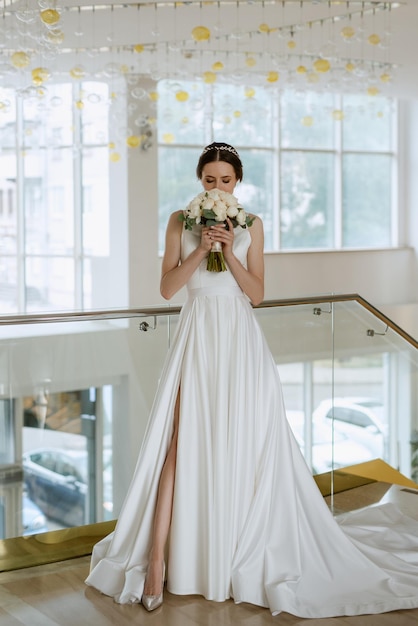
[{"x": 150, "y": 602}]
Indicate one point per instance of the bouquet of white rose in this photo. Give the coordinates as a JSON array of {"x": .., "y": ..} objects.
[{"x": 210, "y": 208}]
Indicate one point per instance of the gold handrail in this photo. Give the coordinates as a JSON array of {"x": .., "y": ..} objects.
[
  {"x": 343, "y": 298},
  {"x": 151, "y": 311}
]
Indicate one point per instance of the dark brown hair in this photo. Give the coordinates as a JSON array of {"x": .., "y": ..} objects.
[{"x": 220, "y": 152}]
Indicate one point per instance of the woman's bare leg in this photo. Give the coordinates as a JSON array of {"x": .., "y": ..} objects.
[{"x": 162, "y": 517}]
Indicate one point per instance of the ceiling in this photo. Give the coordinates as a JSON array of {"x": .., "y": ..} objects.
[{"x": 276, "y": 43}]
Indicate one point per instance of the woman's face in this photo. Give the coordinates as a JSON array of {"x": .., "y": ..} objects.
[{"x": 219, "y": 175}]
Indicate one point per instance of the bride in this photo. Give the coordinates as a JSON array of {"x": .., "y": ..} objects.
[{"x": 221, "y": 503}]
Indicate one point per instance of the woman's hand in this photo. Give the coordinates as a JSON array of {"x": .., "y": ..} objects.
[
  {"x": 206, "y": 239},
  {"x": 224, "y": 236}
]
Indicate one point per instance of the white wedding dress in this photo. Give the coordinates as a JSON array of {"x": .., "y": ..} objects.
[{"x": 248, "y": 522}]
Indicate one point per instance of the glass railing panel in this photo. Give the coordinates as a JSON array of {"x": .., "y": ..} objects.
[
  {"x": 300, "y": 338},
  {"x": 349, "y": 382},
  {"x": 74, "y": 403},
  {"x": 75, "y": 398},
  {"x": 375, "y": 390}
]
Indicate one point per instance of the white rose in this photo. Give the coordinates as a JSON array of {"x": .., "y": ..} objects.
[
  {"x": 229, "y": 199},
  {"x": 220, "y": 211},
  {"x": 194, "y": 208},
  {"x": 208, "y": 204},
  {"x": 241, "y": 218},
  {"x": 232, "y": 211},
  {"x": 215, "y": 194}
]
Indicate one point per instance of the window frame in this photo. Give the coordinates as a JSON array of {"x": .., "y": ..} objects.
[
  {"x": 338, "y": 152},
  {"x": 77, "y": 254}
]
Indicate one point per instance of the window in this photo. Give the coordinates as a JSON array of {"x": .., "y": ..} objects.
[
  {"x": 220, "y": 114},
  {"x": 54, "y": 190},
  {"x": 319, "y": 168}
]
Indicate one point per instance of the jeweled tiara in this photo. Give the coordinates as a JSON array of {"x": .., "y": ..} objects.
[{"x": 227, "y": 148}]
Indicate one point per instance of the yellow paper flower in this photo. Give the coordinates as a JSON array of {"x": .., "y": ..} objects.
[
  {"x": 55, "y": 36},
  {"x": 338, "y": 115},
  {"x": 249, "y": 92},
  {"x": 153, "y": 95},
  {"x": 20, "y": 59},
  {"x": 182, "y": 96},
  {"x": 312, "y": 78},
  {"x": 77, "y": 72},
  {"x": 217, "y": 66},
  {"x": 250, "y": 62},
  {"x": 372, "y": 91},
  {"x": 114, "y": 157},
  {"x": 50, "y": 16},
  {"x": 291, "y": 44},
  {"x": 133, "y": 141},
  {"x": 200, "y": 33},
  {"x": 209, "y": 77},
  {"x": 322, "y": 65},
  {"x": 40, "y": 75},
  {"x": 374, "y": 39},
  {"x": 138, "y": 48},
  {"x": 385, "y": 78},
  {"x": 168, "y": 138},
  {"x": 348, "y": 32},
  {"x": 350, "y": 67},
  {"x": 264, "y": 28},
  {"x": 111, "y": 145},
  {"x": 79, "y": 104},
  {"x": 307, "y": 120},
  {"x": 237, "y": 113},
  {"x": 272, "y": 77},
  {"x": 301, "y": 69}
]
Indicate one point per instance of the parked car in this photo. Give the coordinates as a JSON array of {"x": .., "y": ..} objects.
[
  {"x": 33, "y": 520},
  {"x": 360, "y": 419},
  {"x": 55, "y": 480},
  {"x": 324, "y": 457}
]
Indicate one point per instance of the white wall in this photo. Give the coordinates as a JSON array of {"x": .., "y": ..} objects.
[{"x": 380, "y": 276}]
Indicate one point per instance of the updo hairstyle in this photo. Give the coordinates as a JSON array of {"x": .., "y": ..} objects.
[{"x": 220, "y": 152}]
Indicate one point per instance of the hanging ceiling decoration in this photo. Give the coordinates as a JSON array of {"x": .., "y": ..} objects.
[
  {"x": 346, "y": 44},
  {"x": 328, "y": 45}
]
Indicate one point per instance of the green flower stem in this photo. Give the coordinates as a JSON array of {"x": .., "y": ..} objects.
[{"x": 216, "y": 262}]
